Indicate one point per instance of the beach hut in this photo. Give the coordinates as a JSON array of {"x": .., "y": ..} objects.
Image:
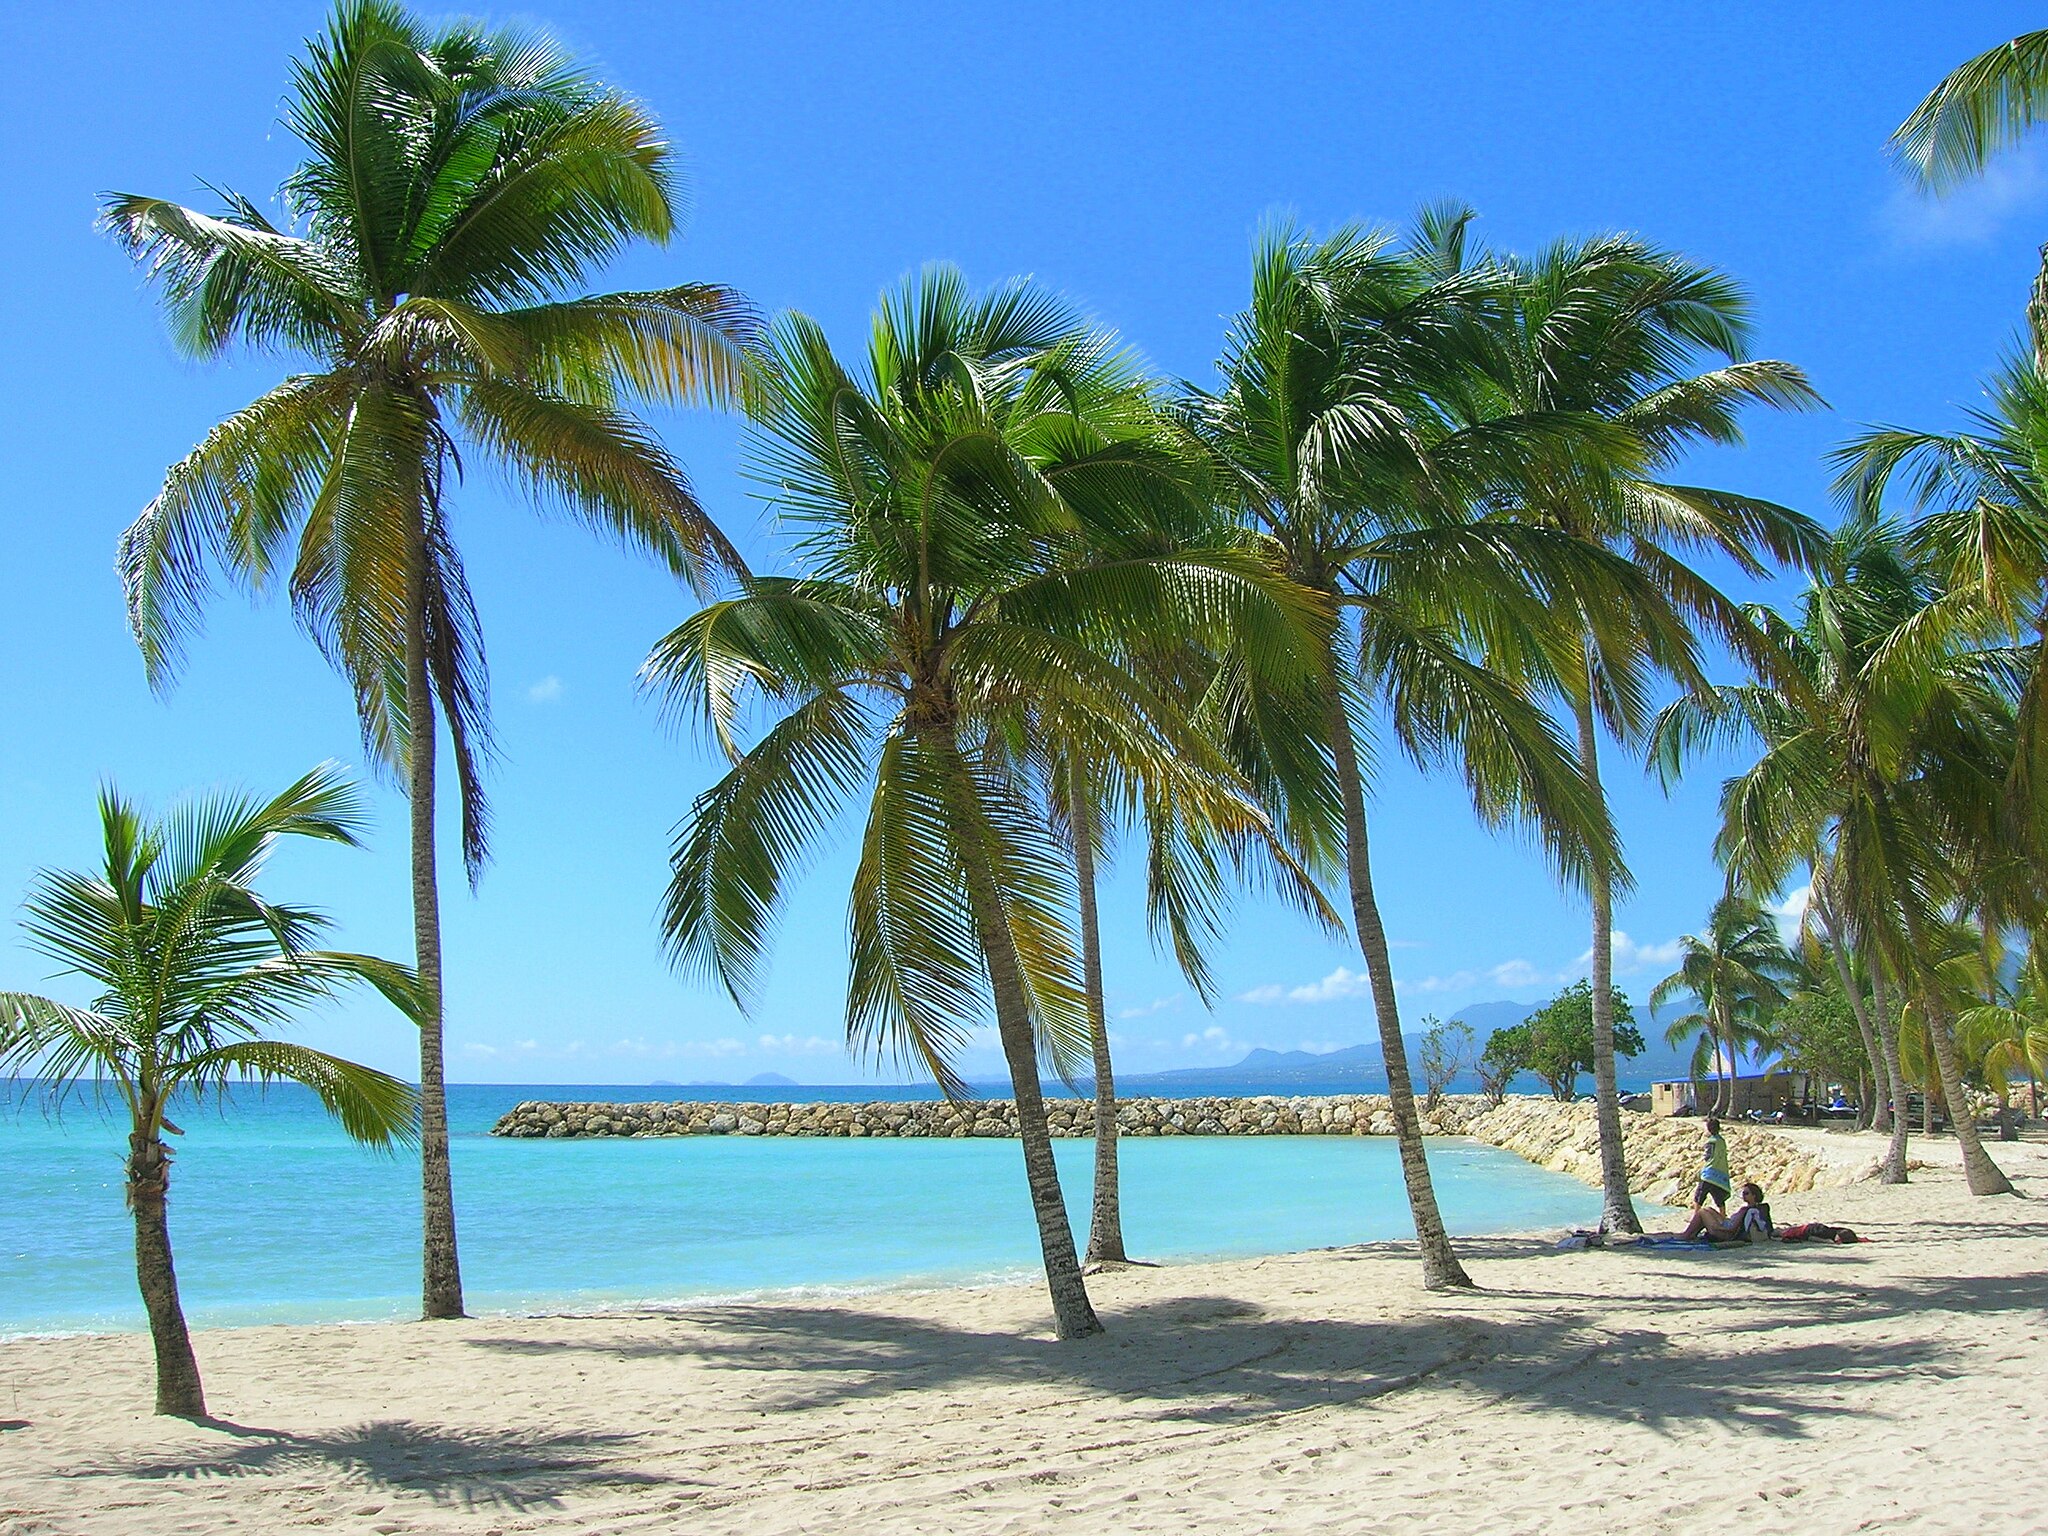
[{"x": 1766, "y": 1093}]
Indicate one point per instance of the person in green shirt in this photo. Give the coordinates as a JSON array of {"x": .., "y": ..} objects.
[{"x": 1715, "y": 1179}]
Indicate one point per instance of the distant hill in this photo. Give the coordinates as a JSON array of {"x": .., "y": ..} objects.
[
  {"x": 1360, "y": 1068},
  {"x": 770, "y": 1080}
]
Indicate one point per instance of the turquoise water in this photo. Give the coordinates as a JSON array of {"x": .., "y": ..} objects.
[{"x": 277, "y": 1217}]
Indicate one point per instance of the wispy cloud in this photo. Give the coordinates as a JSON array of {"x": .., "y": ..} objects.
[
  {"x": 2012, "y": 185},
  {"x": 1791, "y": 912},
  {"x": 1629, "y": 957},
  {"x": 548, "y": 690},
  {"x": 1146, "y": 1010},
  {"x": 1214, "y": 1038}
]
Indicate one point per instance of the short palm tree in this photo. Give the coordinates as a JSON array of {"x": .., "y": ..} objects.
[
  {"x": 2006, "y": 1033},
  {"x": 1740, "y": 972},
  {"x": 193, "y": 972},
  {"x": 1613, "y": 327},
  {"x": 1885, "y": 762},
  {"x": 960, "y": 504},
  {"x": 1347, "y": 431},
  {"x": 458, "y": 183}
]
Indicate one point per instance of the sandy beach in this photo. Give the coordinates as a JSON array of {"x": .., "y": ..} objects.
[{"x": 1798, "y": 1389}]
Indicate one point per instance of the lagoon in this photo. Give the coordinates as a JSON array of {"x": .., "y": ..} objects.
[{"x": 277, "y": 1217}]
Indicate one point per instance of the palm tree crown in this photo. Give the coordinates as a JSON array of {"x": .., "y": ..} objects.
[{"x": 984, "y": 520}]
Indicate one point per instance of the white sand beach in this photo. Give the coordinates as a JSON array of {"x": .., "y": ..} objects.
[{"x": 1797, "y": 1389}]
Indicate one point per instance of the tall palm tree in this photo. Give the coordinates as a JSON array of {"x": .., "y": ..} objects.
[
  {"x": 1615, "y": 328},
  {"x": 1887, "y": 759},
  {"x": 1346, "y": 430},
  {"x": 1740, "y": 971},
  {"x": 194, "y": 972},
  {"x": 458, "y": 184},
  {"x": 972, "y": 511},
  {"x": 1982, "y": 106}
]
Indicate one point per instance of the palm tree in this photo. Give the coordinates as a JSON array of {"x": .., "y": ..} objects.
[
  {"x": 1613, "y": 327},
  {"x": 1981, "y": 107},
  {"x": 1886, "y": 759},
  {"x": 194, "y": 972},
  {"x": 2006, "y": 1034},
  {"x": 457, "y": 184},
  {"x": 973, "y": 512},
  {"x": 1346, "y": 430},
  {"x": 1740, "y": 971},
  {"x": 1192, "y": 864}
]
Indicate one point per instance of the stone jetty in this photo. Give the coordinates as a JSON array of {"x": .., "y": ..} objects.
[
  {"x": 1337, "y": 1115},
  {"x": 1662, "y": 1155}
]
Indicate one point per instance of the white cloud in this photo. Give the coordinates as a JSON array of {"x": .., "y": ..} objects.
[
  {"x": 1516, "y": 973},
  {"x": 548, "y": 690},
  {"x": 2012, "y": 185},
  {"x": 1630, "y": 957},
  {"x": 1791, "y": 912},
  {"x": 1426, "y": 986},
  {"x": 1214, "y": 1038},
  {"x": 1157, "y": 1005},
  {"x": 1271, "y": 992},
  {"x": 804, "y": 1045}
]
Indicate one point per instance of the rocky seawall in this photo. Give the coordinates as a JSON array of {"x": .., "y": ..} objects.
[
  {"x": 1663, "y": 1155},
  {"x": 1338, "y": 1115}
]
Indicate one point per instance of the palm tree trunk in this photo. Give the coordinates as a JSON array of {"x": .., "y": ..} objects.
[
  {"x": 1985, "y": 1176},
  {"x": 1893, "y": 1170},
  {"x": 1876, "y": 1116},
  {"x": 1105, "y": 1220},
  {"x": 441, "y": 1271},
  {"x": 1440, "y": 1267},
  {"x": 1073, "y": 1314},
  {"x": 1617, "y": 1210},
  {"x": 178, "y": 1391}
]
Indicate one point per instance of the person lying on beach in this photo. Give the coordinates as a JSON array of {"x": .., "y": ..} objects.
[
  {"x": 1750, "y": 1223},
  {"x": 1715, "y": 1179}
]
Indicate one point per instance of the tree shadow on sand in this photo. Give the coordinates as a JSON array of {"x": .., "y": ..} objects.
[
  {"x": 467, "y": 1468},
  {"x": 1210, "y": 1359}
]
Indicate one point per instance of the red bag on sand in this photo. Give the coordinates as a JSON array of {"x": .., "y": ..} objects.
[{"x": 1817, "y": 1232}]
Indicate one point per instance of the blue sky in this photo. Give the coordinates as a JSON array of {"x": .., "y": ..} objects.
[{"x": 1124, "y": 155}]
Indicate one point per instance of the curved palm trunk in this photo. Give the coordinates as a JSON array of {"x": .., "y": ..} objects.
[
  {"x": 1440, "y": 1267},
  {"x": 441, "y": 1272},
  {"x": 1985, "y": 1176},
  {"x": 1073, "y": 1314},
  {"x": 1893, "y": 1170},
  {"x": 178, "y": 1390},
  {"x": 1617, "y": 1210},
  {"x": 1105, "y": 1219}
]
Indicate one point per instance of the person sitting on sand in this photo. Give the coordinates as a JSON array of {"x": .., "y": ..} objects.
[
  {"x": 1715, "y": 1179},
  {"x": 1751, "y": 1222}
]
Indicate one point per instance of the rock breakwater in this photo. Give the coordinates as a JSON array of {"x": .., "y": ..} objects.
[
  {"x": 1339, "y": 1115},
  {"x": 1662, "y": 1155}
]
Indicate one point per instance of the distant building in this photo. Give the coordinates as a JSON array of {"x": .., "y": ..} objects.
[{"x": 1765, "y": 1092}]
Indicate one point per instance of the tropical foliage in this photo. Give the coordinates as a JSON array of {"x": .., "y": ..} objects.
[
  {"x": 459, "y": 184},
  {"x": 193, "y": 972}
]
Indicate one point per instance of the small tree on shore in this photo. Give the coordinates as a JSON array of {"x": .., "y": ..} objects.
[
  {"x": 1560, "y": 1047},
  {"x": 1445, "y": 1051},
  {"x": 195, "y": 970},
  {"x": 1505, "y": 1058}
]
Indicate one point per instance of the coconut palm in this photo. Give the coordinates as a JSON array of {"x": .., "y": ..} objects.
[
  {"x": 1887, "y": 759},
  {"x": 458, "y": 185},
  {"x": 193, "y": 972},
  {"x": 1982, "y": 106},
  {"x": 2006, "y": 1034},
  {"x": 973, "y": 512},
  {"x": 1740, "y": 971},
  {"x": 1354, "y": 429},
  {"x": 1192, "y": 865},
  {"x": 1614, "y": 328}
]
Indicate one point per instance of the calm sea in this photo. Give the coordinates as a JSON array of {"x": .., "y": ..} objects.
[{"x": 278, "y": 1217}]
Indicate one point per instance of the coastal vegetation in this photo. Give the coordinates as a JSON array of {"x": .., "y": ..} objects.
[
  {"x": 1041, "y": 602},
  {"x": 194, "y": 971}
]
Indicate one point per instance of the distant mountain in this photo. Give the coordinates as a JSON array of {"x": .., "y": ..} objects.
[
  {"x": 1360, "y": 1068},
  {"x": 770, "y": 1080}
]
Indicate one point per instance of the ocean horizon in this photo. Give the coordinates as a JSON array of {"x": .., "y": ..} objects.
[{"x": 278, "y": 1218}]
